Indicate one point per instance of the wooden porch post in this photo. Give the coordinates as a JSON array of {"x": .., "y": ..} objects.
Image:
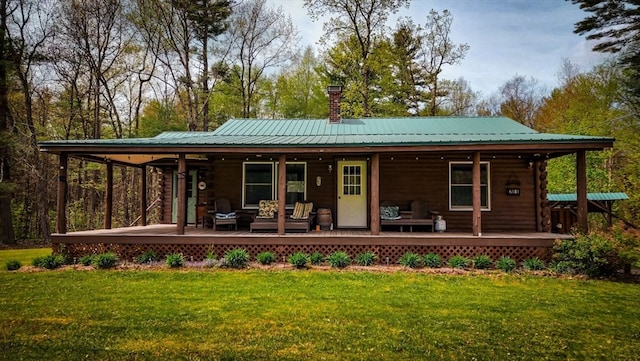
[
  {"x": 477, "y": 199},
  {"x": 581, "y": 191},
  {"x": 61, "y": 215},
  {"x": 282, "y": 193},
  {"x": 182, "y": 194},
  {"x": 375, "y": 194},
  {"x": 108, "y": 197},
  {"x": 143, "y": 195}
]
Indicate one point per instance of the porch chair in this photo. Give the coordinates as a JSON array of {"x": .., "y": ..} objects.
[{"x": 223, "y": 215}]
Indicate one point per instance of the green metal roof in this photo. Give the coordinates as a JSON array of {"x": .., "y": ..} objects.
[
  {"x": 351, "y": 132},
  {"x": 571, "y": 197}
]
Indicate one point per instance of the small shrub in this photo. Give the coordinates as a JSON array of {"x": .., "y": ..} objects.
[
  {"x": 410, "y": 260},
  {"x": 458, "y": 261},
  {"x": 105, "y": 260},
  {"x": 432, "y": 260},
  {"x": 506, "y": 264},
  {"x": 533, "y": 264},
  {"x": 594, "y": 254},
  {"x": 339, "y": 259},
  {"x": 299, "y": 259},
  {"x": 147, "y": 257},
  {"x": 49, "y": 262},
  {"x": 481, "y": 261},
  {"x": 86, "y": 260},
  {"x": 266, "y": 258},
  {"x": 13, "y": 265},
  {"x": 210, "y": 256},
  {"x": 175, "y": 260},
  {"x": 236, "y": 258},
  {"x": 316, "y": 258},
  {"x": 366, "y": 259}
]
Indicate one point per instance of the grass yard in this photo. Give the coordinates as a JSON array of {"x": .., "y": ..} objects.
[
  {"x": 25, "y": 256},
  {"x": 318, "y": 315}
]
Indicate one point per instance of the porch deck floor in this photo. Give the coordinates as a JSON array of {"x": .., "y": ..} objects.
[{"x": 165, "y": 233}]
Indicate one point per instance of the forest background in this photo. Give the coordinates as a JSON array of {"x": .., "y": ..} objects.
[{"x": 99, "y": 69}]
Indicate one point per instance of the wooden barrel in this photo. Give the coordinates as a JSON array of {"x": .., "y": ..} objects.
[{"x": 324, "y": 218}]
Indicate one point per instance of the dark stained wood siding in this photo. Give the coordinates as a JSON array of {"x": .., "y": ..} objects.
[{"x": 402, "y": 180}]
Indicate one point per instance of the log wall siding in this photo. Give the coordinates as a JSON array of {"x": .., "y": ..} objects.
[
  {"x": 402, "y": 180},
  {"x": 165, "y": 184}
]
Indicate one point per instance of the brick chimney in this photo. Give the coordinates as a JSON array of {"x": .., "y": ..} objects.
[{"x": 335, "y": 91}]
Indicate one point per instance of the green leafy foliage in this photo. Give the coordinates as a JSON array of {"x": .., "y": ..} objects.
[
  {"x": 594, "y": 254},
  {"x": 175, "y": 260},
  {"x": 458, "y": 261},
  {"x": 533, "y": 264},
  {"x": 299, "y": 259},
  {"x": 266, "y": 258},
  {"x": 481, "y": 261},
  {"x": 506, "y": 264},
  {"x": 237, "y": 258},
  {"x": 432, "y": 260},
  {"x": 49, "y": 262},
  {"x": 86, "y": 260},
  {"x": 105, "y": 260},
  {"x": 366, "y": 259},
  {"x": 13, "y": 265},
  {"x": 316, "y": 258},
  {"x": 411, "y": 260},
  {"x": 147, "y": 257},
  {"x": 339, "y": 259},
  {"x": 210, "y": 256}
]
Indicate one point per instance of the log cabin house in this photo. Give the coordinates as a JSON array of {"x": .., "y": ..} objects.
[{"x": 484, "y": 176}]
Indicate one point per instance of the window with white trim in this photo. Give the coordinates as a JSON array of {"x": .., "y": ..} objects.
[
  {"x": 260, "y": 181},
  {"x": 461, "y": 186}
]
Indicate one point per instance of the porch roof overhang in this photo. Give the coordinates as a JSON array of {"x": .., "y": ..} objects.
[{"x": 357, "y": 136}]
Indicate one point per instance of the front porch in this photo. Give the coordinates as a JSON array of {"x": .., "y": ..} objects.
[{"x": 388, "y": 246}]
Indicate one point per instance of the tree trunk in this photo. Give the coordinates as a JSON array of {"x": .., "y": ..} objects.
[{"x": 6, "y": 220}]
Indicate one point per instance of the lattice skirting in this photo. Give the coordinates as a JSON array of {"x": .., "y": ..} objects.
[{"x": 387, "y": 254}]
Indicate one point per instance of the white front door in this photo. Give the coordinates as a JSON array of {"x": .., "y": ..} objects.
[
  {"x": 192, "y": 193},
  {"x": 352, "y": 194}
]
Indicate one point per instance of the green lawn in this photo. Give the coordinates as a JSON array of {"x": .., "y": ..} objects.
[
  {"x": 25, "y": 256},
  {"x": 319, "y": 315}
]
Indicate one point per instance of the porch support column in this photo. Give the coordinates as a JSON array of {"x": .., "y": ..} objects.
[
  {"x": 375, "y": 194},
  {"x": 182, "y": 194},
  {"x": 581, "y": 191},
  {"x": 143, "y": 195},
  {"x": 108, "y": 197},
  {"x": 282, "y": 193},
  {"x": 477, "y": 199},
  {"x": 61, "y": 215}
]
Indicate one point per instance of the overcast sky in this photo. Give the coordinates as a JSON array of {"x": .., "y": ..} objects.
[{"x": 507, "y": 37}]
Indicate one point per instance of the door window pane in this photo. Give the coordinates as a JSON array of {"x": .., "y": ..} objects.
[{"x": 351, "y": 180}]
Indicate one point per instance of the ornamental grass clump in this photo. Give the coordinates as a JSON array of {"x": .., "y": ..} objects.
[
  {"x": 506, "y": 264},
  {"x": 147, "y": 256},
  {"x": 533, "y": 264},
  {"x": 266, "y": 258},
  {"x": 104, "y": 260},
  {"x": 458, "y": 261},
  {"x": 13, "y": 265},
  {"x": 339, "y": 259},
  {"x": 481, "y": 261},
  {"x": 86, "y": 260},
  {"x": 299, "y": 260},
  {"x": 316, "y": 258},
  {"x": 366, "y": 259},
  {"x": 48, "y": 262},
  {"x": 175, "y": 260},
  {"x": 237, "y": 258},
  {"x": 410, "y": 260},
  {"x": 432, "y": 260}
]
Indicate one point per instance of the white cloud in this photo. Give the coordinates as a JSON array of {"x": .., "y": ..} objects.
[{"x": 529, "y": 38}]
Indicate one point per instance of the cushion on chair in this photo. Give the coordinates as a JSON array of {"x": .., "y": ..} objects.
[
  {"x": 308, "y": 207},
  {"x": 298, "y": 210},
  {"x": 389, "y": 212},
  {"x": 267, "y": 209}
]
